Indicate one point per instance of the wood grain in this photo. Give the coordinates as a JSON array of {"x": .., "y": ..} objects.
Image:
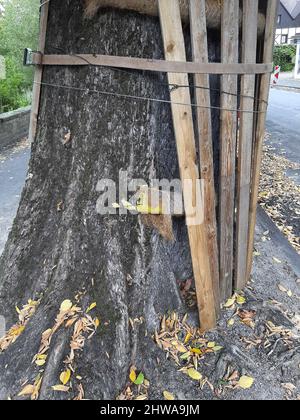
[
  {"x": 36, "y": 93},
  {"x": 271, "y": 20},
  {"x": 150, "y": 65},
  {"x": 250, "y": 14},
  {"x": 184, "y": 132},
  {"x": 202, "y": 96},
  {"x": 229, "y": 52}
]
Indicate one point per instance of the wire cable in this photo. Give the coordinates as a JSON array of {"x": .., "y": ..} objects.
[{"x": 145, "y": 98}]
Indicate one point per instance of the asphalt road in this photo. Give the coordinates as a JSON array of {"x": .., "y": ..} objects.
[
  {"x": 283, "y": 122},
  {"x": 13, "y": 169}
]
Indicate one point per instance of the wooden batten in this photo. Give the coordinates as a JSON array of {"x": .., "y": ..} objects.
[
  {"x": 271, "y": 20},
  {"x": 230, "y": 54},
  {"x": 250, "y": 13},
  {"x": 36, "y": 93},
  {"x": 185, "y": 139},
  {"x": 200, "y": 55}
]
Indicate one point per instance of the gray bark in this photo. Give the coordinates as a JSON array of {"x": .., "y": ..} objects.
[{"x": 57, "y": 253}]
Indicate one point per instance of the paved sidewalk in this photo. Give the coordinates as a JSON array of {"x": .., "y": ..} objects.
[{"x": 286, "y": 80}]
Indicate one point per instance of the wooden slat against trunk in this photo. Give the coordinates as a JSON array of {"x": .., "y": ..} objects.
[
  {"x": 184, "y": 132},
  {"x": 229, "y": 51},
  {"x": 250, "y": 15},
  {"x": 271, "y": 20},
  {"x": 200, "y": 55},
  {"x": 149, "y": 65},
  {"x": 36, "y": 93}
]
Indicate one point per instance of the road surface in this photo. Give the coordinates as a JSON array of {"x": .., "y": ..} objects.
[
  {"x": 13, "y": 169},
  {"x": 283, "y": 123}
]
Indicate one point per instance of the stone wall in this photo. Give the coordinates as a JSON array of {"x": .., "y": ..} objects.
[{"x": 14, "y": 126}]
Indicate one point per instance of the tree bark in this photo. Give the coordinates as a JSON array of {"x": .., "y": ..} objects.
[{"x": 60, "y": 246}]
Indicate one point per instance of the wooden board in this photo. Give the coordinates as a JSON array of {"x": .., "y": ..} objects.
[
  {"x": 36, "y": 93},
  {"x": 271, "y": 20},
  {"x": 250, "y": 15},
  {"x": 184, "y": 132},
  {"x": 202, "y": 96},
  {"x": 150, "y": 65},
  {"x": 229, "y": 52}
]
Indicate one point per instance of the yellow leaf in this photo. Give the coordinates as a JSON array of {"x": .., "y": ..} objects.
[
  {"x": 211, "y": 345},
  {"x": 18, "y": 310},
  {"x": 194, "y": 374},
  {"x": 187, "y": 338},
  {"x": 240, "y": 300},
  {"x": 229, "y": 303},
  {"x": 65, "y": 376},
  {"x": 180, "y": 348},
  {"x": 91, "y": 307},
  {"x": 66, "y": 305},
  {"x": 290, "y": 293},
  {"x": 246, "y": 382},
  {"x": 40, "y": 362},
  {"x": 132, "y": 376},
  {"x": 27, "y": 390},
  {"x": 60, "y": 388},
  {"x": 96, "y": 322},
  {"x": 231, "y": 322},
  {"x": 168, "y": 396},
  {"x": 197, "y": 351},
  {"x": 217, "y": 348}
]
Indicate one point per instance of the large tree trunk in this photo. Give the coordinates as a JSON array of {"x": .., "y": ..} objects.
[{"x": 60, "y": 246}]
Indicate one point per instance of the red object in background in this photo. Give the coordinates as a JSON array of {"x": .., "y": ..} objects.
[{"x": 276, "y": 75}]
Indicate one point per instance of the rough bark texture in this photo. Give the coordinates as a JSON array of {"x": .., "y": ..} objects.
[{"x": 58, "y": 253}]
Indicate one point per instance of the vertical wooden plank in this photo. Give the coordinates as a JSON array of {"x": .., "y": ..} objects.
[
  {"x": 271, "y": 19},
  {"x": 36, "y": 93},
  {"x": 250, "y": 16},
  {"x": 184, "y": 132},
  {"x": 229, "y": 52},
  {"x": 202, "y": 96}
]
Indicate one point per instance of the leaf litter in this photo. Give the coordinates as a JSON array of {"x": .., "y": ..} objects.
[{"x": 84, "y": 327}]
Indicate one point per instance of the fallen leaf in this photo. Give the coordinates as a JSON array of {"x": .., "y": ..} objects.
[
  {"x": 231, "y": 322},
  {"x": 245, "y": 382},
  {"x": 240, "y": 300},
  {"x": 132, "y": 376},
  {"x": 282, "y": 288},
  {"x": 65, "y": 376},
  {"x": 217, "y": 348},
  {"x": 60, "y": 388},
  {"x": 91, "y": 307},
  {"x": 229, "y": 303},
  {"x": 27, "y": 390},
  {"x": 96, "y": 322},
  {"x": 194, "y": 374},
  {"x": 211, "y": 345},
  {"x": 66, "y": 305},
  {"x": 40, "y": 362},
  {"x": 196, "y": 351},
  {"x": 277, "y": 260},
  {"x": 168, "y": 396},
  {"x": 140, "y": 379}
]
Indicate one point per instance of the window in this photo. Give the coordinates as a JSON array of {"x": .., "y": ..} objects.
[
  {"x": 278, "y": 19},
  {"x": 284, "y": 39}
]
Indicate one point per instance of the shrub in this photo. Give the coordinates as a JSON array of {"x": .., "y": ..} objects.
[
  {"x": 13, "y": 88},
  {"x": 284, "y": 57}
]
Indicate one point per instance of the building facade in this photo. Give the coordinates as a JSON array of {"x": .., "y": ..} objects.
[{"x": 288, "y": 22}]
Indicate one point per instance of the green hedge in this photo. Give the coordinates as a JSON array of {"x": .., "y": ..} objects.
[{"x": 284, "y": 56}]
